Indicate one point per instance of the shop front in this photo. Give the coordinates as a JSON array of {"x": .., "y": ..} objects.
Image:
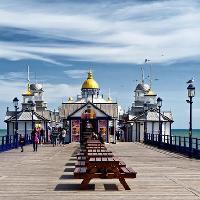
[{"x": 88, "y": 121}]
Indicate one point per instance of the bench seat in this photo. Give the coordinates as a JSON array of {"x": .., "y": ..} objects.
[
  {"x": 81, "y": 172},
  {"x": 81, "y": 158},
  {"x": 80, "y": 164}
]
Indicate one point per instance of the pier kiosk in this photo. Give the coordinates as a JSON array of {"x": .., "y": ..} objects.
[{"x": 89, "y": 114}]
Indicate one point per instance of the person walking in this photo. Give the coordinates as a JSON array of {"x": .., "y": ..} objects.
[
  {"x": 21, "y": 142},
  {"x": 63, "y": 136},
  {"x": 60, "y": 138},
  {"x": 42, "y": 136},
  {"x": 35, "y": 139},
  {"x": 54, "y": 136}
]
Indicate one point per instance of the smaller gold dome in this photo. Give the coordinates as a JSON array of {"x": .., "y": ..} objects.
[
  {"x": 70, "y": 99},
  {"x": 150, "y": 93},
  {"x": 90, "y": 83},
  {"x": 28, "y": 91},
  {"x": 109, "y": 100}
]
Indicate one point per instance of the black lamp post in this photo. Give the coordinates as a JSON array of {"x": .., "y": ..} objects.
[
  {"x": 15, "y": 104},
  {"x": 159, "y": 104},
  {"x": 145, "y": 106},
  {"x": 191, "y": 94},
  {"x": 32, "y": 111}
]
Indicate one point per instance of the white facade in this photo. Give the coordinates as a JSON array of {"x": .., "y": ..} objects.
[{"x": 141, "y": 121}]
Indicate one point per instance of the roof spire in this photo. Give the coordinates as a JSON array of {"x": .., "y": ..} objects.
[
  {"x": 28, "y": 79},
  {"x": 108, "y": 92},
  {"x": 28, "y": 91},
  {"x": 150, "y": 77},
  {"x": 142, "y": 69}
]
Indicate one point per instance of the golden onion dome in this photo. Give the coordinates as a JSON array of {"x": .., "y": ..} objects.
[
  {"x": 90, "y": 83},
  {"x": 150, "y": 93}
]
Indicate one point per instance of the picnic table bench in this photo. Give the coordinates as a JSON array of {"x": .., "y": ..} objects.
[
  {"x": 95, "y": 147},
  {"x": 97, "y": 150},
  {"x": 103, "y": 167}
]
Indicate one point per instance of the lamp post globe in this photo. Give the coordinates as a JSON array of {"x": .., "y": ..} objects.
[
  {"x": 159, "y": 102},
  {"x": 15, "y": 104},
  {"x": 191, "y": 90}
]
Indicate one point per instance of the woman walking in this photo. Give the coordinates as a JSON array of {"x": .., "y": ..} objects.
[
  {"x": 21, "y": 142},
  {"x": 35, "y": 139}
]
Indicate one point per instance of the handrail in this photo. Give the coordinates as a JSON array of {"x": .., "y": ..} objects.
[
  {"x": 175, "y": 143},
  {"x": 8, "y": 142}
]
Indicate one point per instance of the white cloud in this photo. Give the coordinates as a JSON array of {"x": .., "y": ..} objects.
[
  {"x": 58, "y": 92},
  {"x": 128, "y": 34},
  {"x": 76, "y": 73},
  {"x": 53, "y": 93},
  {"x": 13, "y": 76},
  {"x": 10, "y": 89}
]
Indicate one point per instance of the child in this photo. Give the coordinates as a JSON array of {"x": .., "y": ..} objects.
[{"x": 21, "y": 142}]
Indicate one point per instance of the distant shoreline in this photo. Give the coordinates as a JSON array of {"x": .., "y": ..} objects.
[{"x": 175, "y": 132}]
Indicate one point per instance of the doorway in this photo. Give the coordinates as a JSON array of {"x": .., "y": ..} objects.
[{"x": 88, "y": 127}]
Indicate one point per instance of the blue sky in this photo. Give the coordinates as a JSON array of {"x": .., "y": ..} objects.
[{"x": 61, "y": 40}]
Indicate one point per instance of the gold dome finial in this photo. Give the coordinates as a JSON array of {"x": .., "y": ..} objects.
[
  {"x": 90, "y": 83},
  {"x": 150, "y": 93},
  {"x": 109, "y": 100},
  {"x": 90, "y": 75}
]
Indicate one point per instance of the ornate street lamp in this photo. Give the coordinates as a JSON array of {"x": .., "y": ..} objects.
[
  {"x": 15, "y": 104},
  {"x": 146, "y": 108},
  {"x": 32, "y": 111},
  {"x": 191, "y": 94},
  {"x": 159, "y": 104}
]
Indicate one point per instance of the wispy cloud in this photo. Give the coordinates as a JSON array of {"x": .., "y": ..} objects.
[
  {"x": 76, "y": 73},
  {"x": 53, "y": 93},
  {"x": 13, "y": 76},
  {"x": 124, "y": 35}
]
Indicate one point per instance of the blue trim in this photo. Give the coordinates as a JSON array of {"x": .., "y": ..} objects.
[
  {"x": 175, "y": 143},
  {"x": 9, "y": 142}
]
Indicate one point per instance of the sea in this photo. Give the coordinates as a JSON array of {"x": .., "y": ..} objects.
[{"x": 177, "y": 132}]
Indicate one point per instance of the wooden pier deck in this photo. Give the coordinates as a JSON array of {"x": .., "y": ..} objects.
[{"x": 48, "y": 174}]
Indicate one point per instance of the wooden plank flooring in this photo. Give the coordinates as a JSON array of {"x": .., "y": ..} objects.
[{"x": 48, "y": 174}]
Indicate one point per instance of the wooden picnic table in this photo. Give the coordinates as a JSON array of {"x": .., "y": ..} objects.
[
  {"x": 104, "y": 167},
  {"x": 98, "y": 150},
  {"x": 95, "y": 145},
  {"x": 99, "y": 154},
  {"x": 93, "y": 142},
  {"x": 87, "y": 155}
]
